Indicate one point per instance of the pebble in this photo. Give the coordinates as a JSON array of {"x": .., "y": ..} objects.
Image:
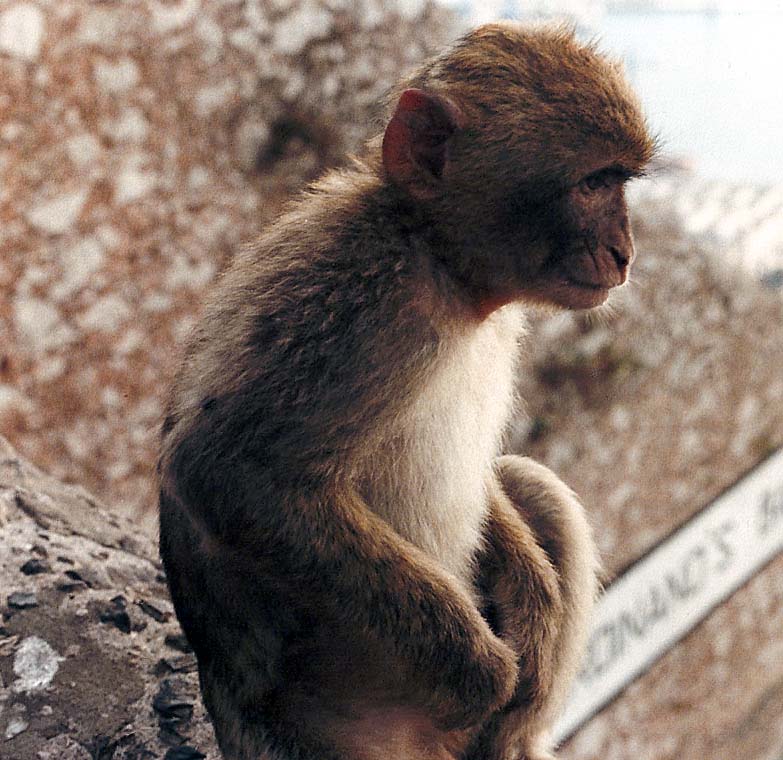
[
  {"x": 69, "y": 587},
  {"x": 35, "y": 665},
  {"x": 148, "y": 609},
  {"x": 174, "y": 712},
  {"x": 169, "y": 735},
  {"x": 16, "y": 726},
  {"x": 183, "y": 663},
  {"x": 117, "y": 614},
  {"x": 76, "y": 576},
  {"x": 35, "y": 567},
  {"x": 22, "y": 600},
  {"x": 170, "y": 706},
  {"x": 179, "y": 642},
  {"x": 773, "y": 279}
]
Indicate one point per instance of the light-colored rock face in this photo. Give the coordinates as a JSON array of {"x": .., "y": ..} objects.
[
  {"x": 140, "y": 143},
  {"x": 21, "y": 30}
]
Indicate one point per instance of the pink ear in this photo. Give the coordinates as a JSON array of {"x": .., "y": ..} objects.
[{"x": 416, "y": 139}]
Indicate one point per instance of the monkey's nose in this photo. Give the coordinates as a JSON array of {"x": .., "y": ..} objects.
[
  {"x": 606, "y": 266},
  {"x": 622, "y": 259}
]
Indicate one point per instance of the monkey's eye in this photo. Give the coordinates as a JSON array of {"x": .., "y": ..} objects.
[
  {"x": 594, "y": 181},
  {"x": 604, "y": 178}
]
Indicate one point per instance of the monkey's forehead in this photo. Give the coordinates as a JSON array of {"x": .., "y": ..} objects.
[
  {"x": 541, "y": 83},
  {"x": 541, "y": 59}
]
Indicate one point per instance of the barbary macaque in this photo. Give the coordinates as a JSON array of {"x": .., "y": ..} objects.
[{"x": 360, "y": 574}]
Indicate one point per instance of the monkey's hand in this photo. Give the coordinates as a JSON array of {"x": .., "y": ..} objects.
[
  {"x": 457, "y": 667},
  {"x": 554, "y": 514},
  {"x": 521, "y": 584},
  {"x": 472, "y": 673}
]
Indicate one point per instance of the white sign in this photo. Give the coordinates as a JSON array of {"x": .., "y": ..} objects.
[{"x": 666, "y": 593}]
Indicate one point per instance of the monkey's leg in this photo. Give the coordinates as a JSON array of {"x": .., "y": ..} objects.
[{"x": 557, "y": 521}]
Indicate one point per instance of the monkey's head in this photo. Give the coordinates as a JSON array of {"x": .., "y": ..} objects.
[{"x": 517, "y": 143}]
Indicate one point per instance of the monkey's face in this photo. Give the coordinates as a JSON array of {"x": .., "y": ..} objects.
[
  {"x": 517, "y": 144},
  {"x": 585, "y": 247},
  {"x": 547, "y": 242}
]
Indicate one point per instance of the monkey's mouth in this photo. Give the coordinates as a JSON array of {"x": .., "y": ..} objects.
[
  {"x": 603, "y": 269},
  {"x": 575, "y": 282},
  {"x": 582, "y": 285},
  {"x": 576, "y": 294},
  {"x": 590, "y": 274}
]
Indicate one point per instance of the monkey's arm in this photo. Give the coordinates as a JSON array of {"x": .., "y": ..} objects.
[
  {"x": 383, "y": 584},
  {"x": 521, "y": 586},
  {"x": 549, "y": 642}
]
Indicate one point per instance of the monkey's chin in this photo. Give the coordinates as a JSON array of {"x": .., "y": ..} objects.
[{"x": 577, "y": 295}]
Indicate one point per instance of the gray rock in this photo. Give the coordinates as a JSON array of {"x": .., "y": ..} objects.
[
  {"x": 22, "y": 600},
  {"x": 91, "y": 656},
  {"x": 35, "y": 566}
]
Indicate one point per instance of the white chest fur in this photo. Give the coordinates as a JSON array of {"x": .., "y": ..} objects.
[{"x": 430, "y": 482}]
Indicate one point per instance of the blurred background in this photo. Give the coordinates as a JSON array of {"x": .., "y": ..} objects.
[
  {"x": 143, "y": 141},
  {"x": 701, "y": 67}
]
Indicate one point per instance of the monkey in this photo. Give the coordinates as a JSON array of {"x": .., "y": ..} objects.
[{"x": 361, "y": 574}]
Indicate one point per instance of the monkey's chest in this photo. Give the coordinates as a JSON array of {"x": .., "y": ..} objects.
[{"x": 429, "y": 475}]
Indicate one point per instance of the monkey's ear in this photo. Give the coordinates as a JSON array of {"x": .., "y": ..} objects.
[{"x": 415, "y": 145}]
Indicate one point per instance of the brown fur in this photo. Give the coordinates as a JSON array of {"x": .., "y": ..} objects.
[{"x": 334, "y": 519}]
